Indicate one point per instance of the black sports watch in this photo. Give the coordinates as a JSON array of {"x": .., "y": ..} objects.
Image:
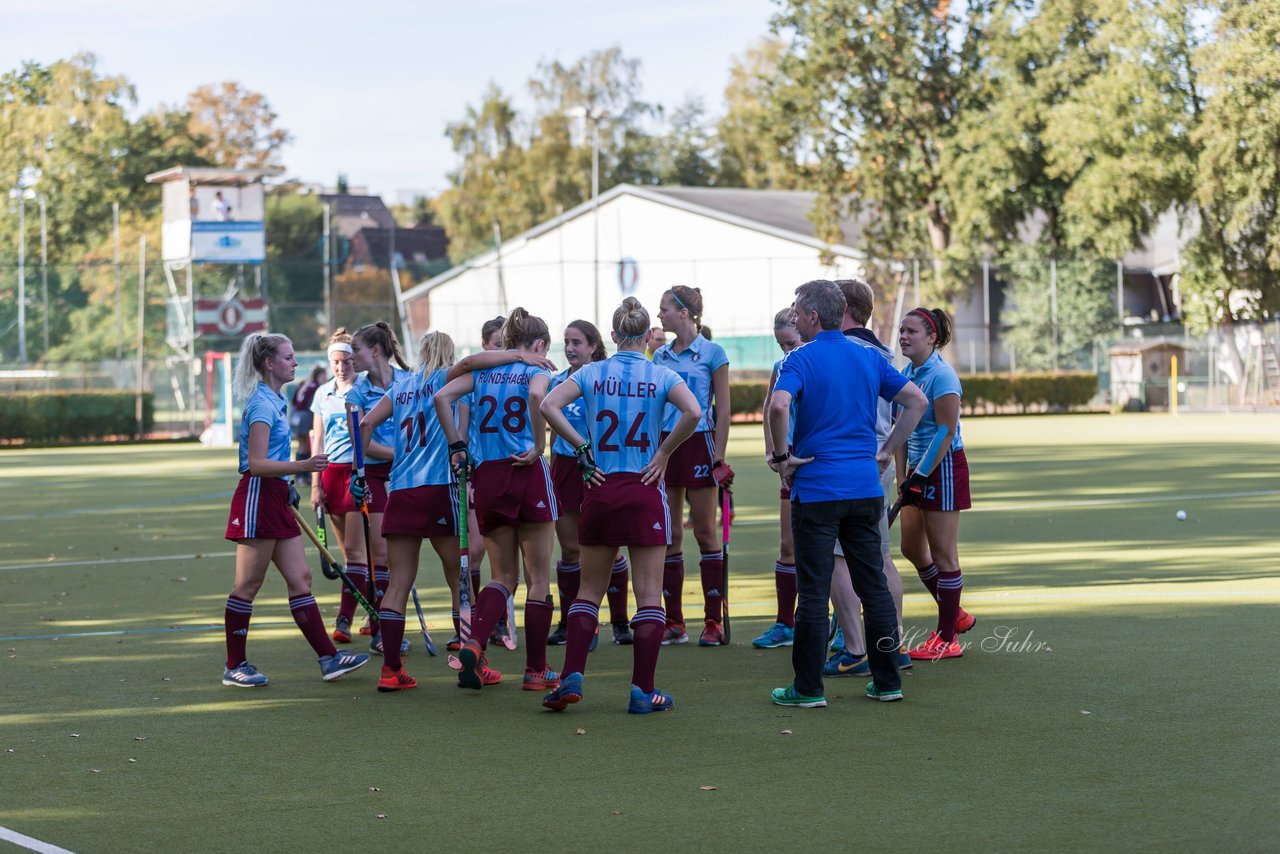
[{"x": 780, "y": 458}]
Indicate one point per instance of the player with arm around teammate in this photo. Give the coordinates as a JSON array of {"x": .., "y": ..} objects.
[
  {"x": 623, "y": 466},
  {"x": 261, "y": 523},
  {"x": 936, "y": 484},
  {"x": 698, "y": 465},
  {"x": 515, "y": 501},
  {"x": 375, "y": 352},
  {"x": 582, "y": 345},
  {"x": 423, "y": 501}
]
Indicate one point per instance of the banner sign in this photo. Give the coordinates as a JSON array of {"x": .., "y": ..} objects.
[
  {"x": 233, "y": 317},
  {"x": 229, "y": 242}
]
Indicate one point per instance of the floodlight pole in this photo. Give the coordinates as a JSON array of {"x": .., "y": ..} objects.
[
  {"x": 115, "y": 230},
  {"x": 595, "y": 215},
  {"x": 142, "y": 306},
  {"x": 328, "y": 286},
  {"x": 22, "y": 277},
  {"x": 44, "y": 280}
]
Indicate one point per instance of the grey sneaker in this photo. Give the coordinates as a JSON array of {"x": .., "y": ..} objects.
[{"x": 244, "y": 676}]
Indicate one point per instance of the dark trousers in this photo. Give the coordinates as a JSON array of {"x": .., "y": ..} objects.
[{"x": 815, "y": 527}]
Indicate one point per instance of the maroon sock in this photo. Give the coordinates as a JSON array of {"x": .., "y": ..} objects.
[
  {"x": 457, "y": 624},
  {"x": 568, "y": 578},
  {"x": 673, "y": 587},
  {"x": 381, "y": 578},
  {"x": 583, "y": 619},
  {"x": 949, "y": 586},
  {"x": 306, "y": 613},
  {"x": 711, "y": 567},
  {"x": 537, "y": 625},
  {"x": 929, "y": 577},
  {"x": 359, "y": 574},
  {"x": 490, "y": 605},
  {"x": 475, "y": 584},
  {"x": 784, "y": 579},
  {"x": 391, "y": 626},
  {"x": 648, "y": 626},
  {"x": 618, "y": 591},
  {"x": 236, "y": 619}
]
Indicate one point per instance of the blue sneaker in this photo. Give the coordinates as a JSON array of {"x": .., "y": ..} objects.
[
  {"x": 837, "y": 642},
  {"x": 244, "y": 676},
  {"x": 779, "y": 634},
  {"x": 655, "y": 701},
  {"x": 334, "y": 667},
  {"x": 595, "y": 640},
  {"x": 569, "y": 692},
  {"x": 788, "y": 696},
  {"x": 904, "y": 659},
  {"x": 375, "y": 645},
  {"x": 845, "y": 663}
]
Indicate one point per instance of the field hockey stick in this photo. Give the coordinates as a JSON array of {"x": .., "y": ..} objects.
[
  {"x": 422, "y": 621},
  {"x": 725, "y": 497},
  {"x": 322, "y": 534},
  {"x": 510, "y": 640},
  {"x": 895, "y": 510},
  {"x": 327, "y": 556},
  {"x": 464, "y": 574},
  {"x": 357, "y": 466}
]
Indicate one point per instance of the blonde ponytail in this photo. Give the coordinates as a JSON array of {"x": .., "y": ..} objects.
[{"x": 254, "y": 352}]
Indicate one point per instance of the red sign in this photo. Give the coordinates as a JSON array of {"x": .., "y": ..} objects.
[{"x": 233, "y": 317}]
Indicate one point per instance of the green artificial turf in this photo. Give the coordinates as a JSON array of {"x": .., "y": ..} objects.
[{"x": 1118, "y": 692}]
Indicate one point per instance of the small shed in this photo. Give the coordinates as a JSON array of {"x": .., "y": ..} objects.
[{"x": 1141, "y": 373}]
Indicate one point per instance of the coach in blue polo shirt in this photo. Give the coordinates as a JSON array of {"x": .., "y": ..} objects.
[{"x": 835, "y": 485}]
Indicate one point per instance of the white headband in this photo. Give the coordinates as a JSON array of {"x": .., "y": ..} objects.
[{"x": 339, "y": 347}]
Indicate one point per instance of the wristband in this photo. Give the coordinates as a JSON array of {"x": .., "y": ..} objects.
[
  {"x": 586, "y": 446},
  {"x": 457, "y": 446}
]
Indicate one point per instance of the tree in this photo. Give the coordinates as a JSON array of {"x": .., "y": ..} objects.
[
  {"x": 1233, "y": 265},
  {"x": 866, "y": 102},
  {"x": 685, "y": 150},
  {"x": 1083, "y": 301},
  {"x": 238, "y": 126},
  {"x": 744, "y": 156}
]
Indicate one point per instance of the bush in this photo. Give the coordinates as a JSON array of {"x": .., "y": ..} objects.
[
  {"x": 1054, "y": 392},
  {"x": 746, "y": 397},
  {"x": 48, "y": 416}
]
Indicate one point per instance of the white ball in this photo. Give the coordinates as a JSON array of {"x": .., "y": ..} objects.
[{"x": 1182, "y": 515}]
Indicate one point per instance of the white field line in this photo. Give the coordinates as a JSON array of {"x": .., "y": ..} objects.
[
  {"x": 105, "y": 561},
  {"x": 756, "y": 609},
  {"x": 30, "y": 843},
  {"x": 1158, "y": 498}
]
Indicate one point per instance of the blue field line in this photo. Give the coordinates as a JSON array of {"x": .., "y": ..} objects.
[{"x": 54, "y": 514}]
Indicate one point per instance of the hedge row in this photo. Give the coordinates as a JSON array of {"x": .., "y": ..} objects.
[
  {"x": 1053, "y": 392},
  {"x": 985, "y": 392},
  {"x": 48, "y": 416}
]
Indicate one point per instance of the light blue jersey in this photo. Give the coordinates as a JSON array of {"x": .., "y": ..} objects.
[
  {"x": 329, "y": 407},
  {"x": 267, "y": 407},
  {"x": 366, "y": 395},
  {"x": 576, "y": 415},
  {"x": 791, "y": 422},
  {"x": 624, "y": 397},
  {"x": 695, "y": 366},
  {"x": 500, "y": 423},
  {"x": 936, "y": 379},
  {"x": 422, "y": 451}
]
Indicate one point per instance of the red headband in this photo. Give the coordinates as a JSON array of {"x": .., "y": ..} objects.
[{"x": 927, "y": 315}]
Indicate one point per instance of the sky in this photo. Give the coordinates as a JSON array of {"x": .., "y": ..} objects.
[{"x": 367, "y": 88}]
